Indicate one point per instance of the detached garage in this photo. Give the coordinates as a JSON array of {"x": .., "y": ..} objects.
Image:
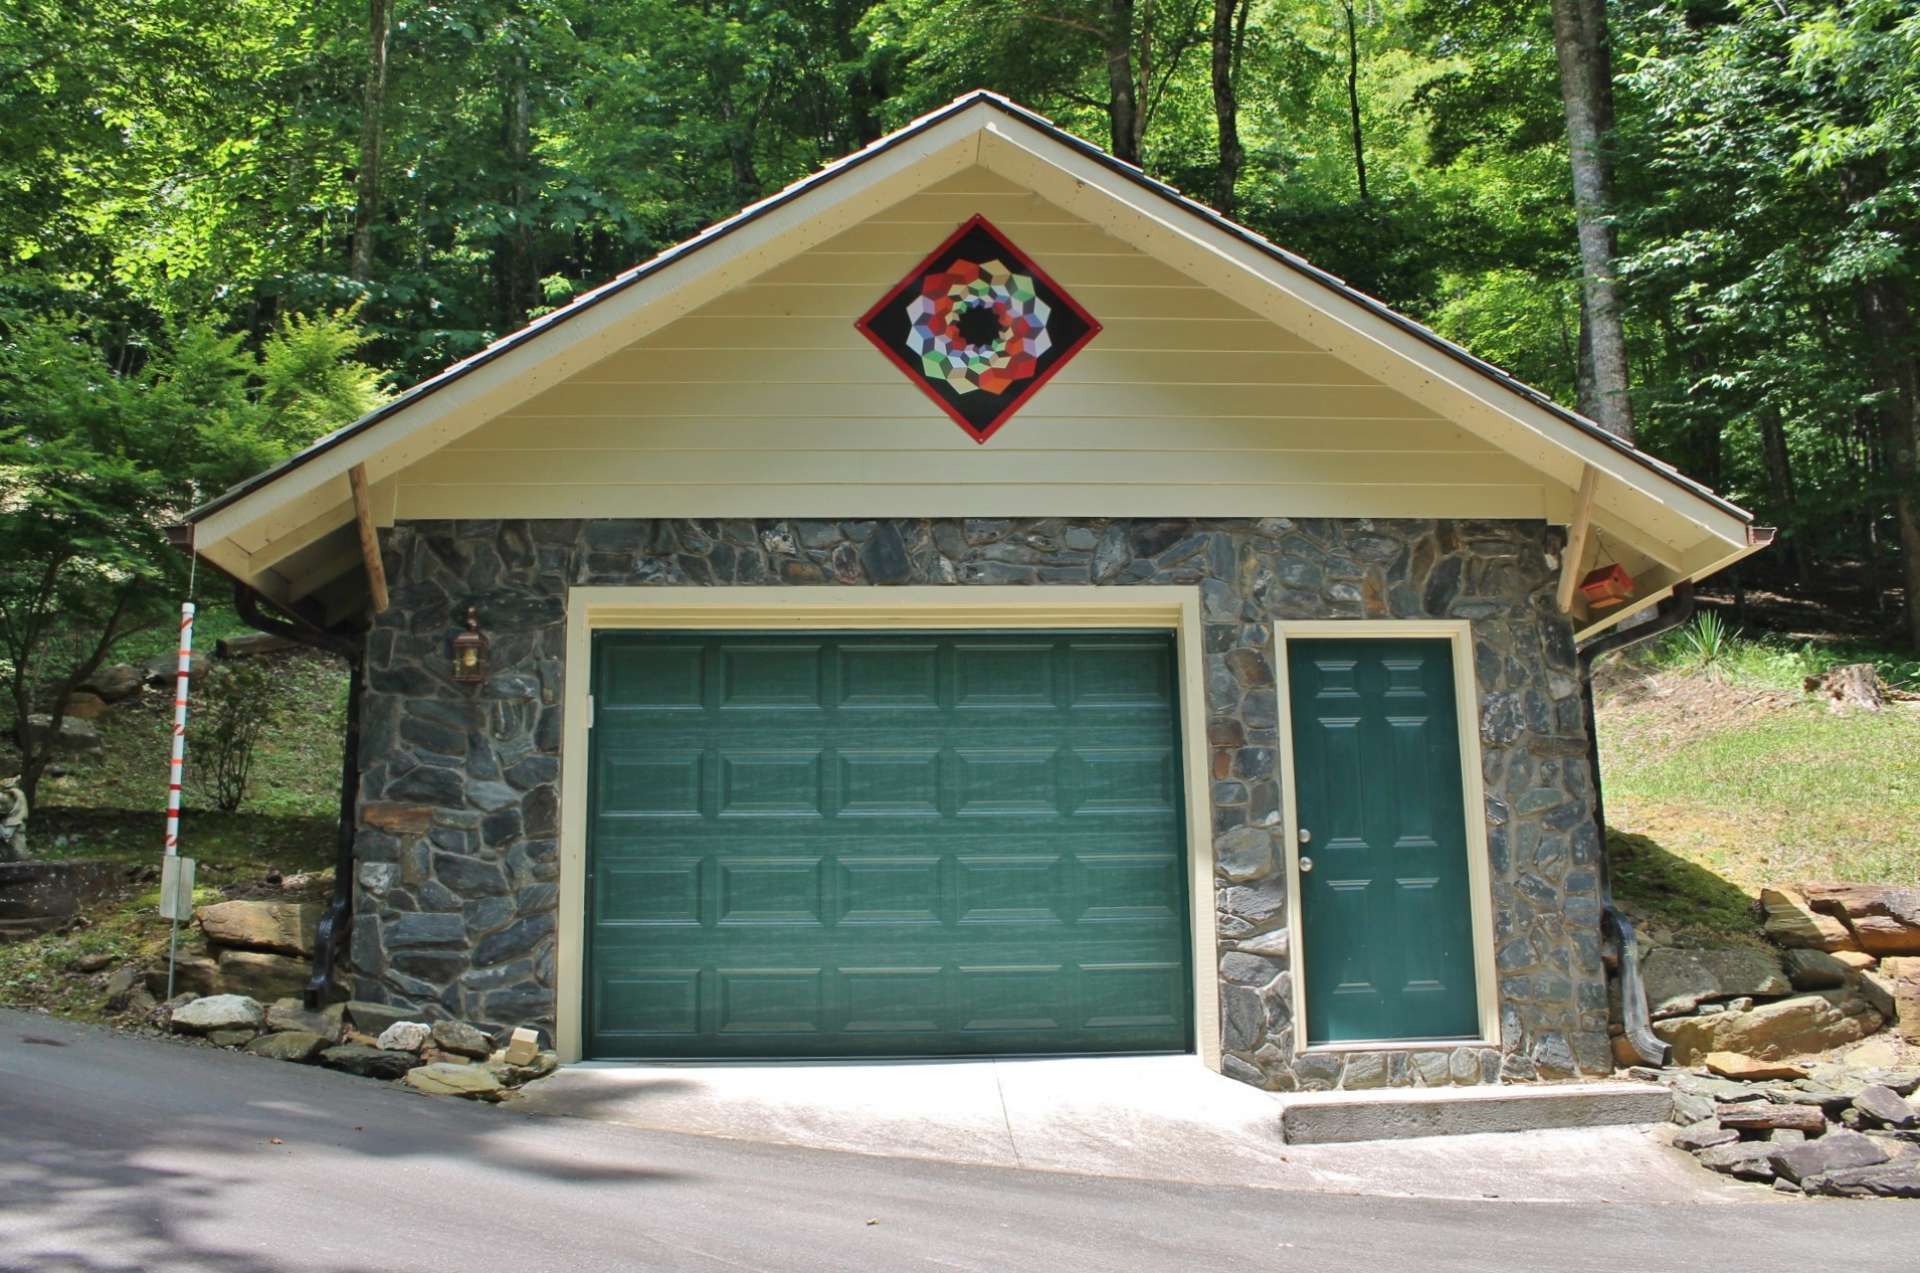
[{"x": 978, "y": 602}]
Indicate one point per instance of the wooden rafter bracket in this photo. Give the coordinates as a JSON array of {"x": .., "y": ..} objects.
[
  {"x": 369, "y": 537},
  {"x": 1577, "y": 536}
]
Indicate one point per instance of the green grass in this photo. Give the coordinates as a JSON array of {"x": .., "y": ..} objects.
[{"x": 1722, "y": 777}]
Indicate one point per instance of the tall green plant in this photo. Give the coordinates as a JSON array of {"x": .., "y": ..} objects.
[{"x": 96, "y": 462}]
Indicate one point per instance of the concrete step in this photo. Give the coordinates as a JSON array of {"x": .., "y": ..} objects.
[{"x": 1329, "y": 1118}]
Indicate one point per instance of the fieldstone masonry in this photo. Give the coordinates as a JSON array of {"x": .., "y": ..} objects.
[{"x": 458, "y": 854}]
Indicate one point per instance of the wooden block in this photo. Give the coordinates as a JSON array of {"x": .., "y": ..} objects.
[
  {"x": 523, "y": 1047},
  {"x": 1765, "y": 1115}
]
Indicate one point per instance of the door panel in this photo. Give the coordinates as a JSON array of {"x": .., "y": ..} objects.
[
  {"x": 1386, "y": 919},
  {"x": 897, "y": 844}
]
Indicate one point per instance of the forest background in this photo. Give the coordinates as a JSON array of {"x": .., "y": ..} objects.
[{"x": 227, "y": 226}]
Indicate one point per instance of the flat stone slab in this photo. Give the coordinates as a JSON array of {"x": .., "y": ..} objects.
[{"x": 1330, "y": 1118}]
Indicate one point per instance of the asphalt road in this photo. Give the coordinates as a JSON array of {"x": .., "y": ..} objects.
[{"x": 119, "y": 1153}]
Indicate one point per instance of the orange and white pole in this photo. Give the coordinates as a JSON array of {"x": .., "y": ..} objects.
[
  {"x": 178, "y": 767},
  {"x": 172, "y": 878}
]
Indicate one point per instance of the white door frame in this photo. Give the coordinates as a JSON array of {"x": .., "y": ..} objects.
[
  {"x": 1459, "y": 633},
  {"x": 1061, "y": 607}
]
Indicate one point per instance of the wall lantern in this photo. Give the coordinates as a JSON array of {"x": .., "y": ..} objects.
[
  {"x": 1607, "y": 586},
  {"x": 470, "y": 652}
]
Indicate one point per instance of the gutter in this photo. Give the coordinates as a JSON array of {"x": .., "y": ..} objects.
[{"x": 1614, "y": 924}]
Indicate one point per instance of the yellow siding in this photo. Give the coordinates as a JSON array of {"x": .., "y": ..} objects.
[{"x": 767, "y": 402}]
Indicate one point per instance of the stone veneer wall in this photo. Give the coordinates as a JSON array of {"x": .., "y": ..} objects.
[{"x": 458, "y": 856}]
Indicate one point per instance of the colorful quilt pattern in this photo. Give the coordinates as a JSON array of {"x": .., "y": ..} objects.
[{"x": 978, "y": 327}]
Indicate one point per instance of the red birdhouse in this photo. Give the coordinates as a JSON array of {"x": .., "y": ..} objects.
[{"x": 1607, "y": 586}]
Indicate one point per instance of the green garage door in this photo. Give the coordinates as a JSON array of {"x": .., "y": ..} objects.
[{"x": 898, "y": 845}]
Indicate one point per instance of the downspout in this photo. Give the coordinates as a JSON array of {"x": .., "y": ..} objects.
[
  {"x": 1671, "y": 613},
  {"x": 331, "y": 936}
]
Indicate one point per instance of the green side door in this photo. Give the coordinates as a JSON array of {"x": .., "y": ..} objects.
[
  {"x": 885, "y": 845},
  {"x": 1384, "y": 912}
]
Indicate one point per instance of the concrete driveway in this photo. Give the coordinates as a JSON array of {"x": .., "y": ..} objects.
[
  {"x": 1151, "y": 1117},
  {"x": 119, "y": 1153}
]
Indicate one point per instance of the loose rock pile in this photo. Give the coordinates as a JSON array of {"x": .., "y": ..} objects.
[
  {"x": 444, "y": 1058},
  {"x": 1850, "y": 965},
  {"x": 1839, "y": 1128}
]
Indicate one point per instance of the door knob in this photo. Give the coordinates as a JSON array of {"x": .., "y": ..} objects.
[
  {"x": 1305, "y": 835},
  {"x": 1306, "y": 864}
]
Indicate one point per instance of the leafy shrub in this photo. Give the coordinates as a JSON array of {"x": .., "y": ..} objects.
[{"x": 237, "y": 704}]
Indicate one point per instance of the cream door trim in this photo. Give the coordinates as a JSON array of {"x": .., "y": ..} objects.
[{"x": 1169, "y": 608}]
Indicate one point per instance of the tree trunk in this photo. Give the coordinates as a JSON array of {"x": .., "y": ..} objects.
[
  {"x": 373, "y": 102},
  {"x": 1896, "y": 358},
  {"x": 1123, "y": 100},
  {"x": 518, "y": 279},
  {"x": 1353, "y": 102},
  {"x": 1586, "y": 89},
  {"x": 1227, "y": 35},
  {"x": 1780, "y": 484}
]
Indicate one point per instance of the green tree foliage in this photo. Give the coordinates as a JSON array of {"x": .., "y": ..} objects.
[
  {"x": 102, "y": 447},
  {"x": 180, "y": 165}
]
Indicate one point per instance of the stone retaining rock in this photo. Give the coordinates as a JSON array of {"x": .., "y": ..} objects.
[
  {"x": 38, "y": 897},
  {"x": 1769, "y": 1031},
  {"x": 1883, "y": 1108},
  {"x": 1704, "y": 1134},
  {"x": 1816, "y": 970},
  {"x": 1884, "y": 920},
  {"x": 196, "y": 974},
  {"x": 374, "y": 1018},
  {"x": 262, "y": 975},
  {"x": 373, "y": 1063},
  {"x": 1835, "y": 1150},
  {"x": 1898, "y": 1179},
  {"x": 1681, "y": 980},
  {"x": 405, "y": 1036},
  {"x": 74, "y": 737},
  {"x": 116, "y": 682},
  {"x": 284, "y": 928},
  {"x": 291, "y": 1014},
  {"x": 451, "y": 1078},
  {"x": 1790, "y": 921},
  {"x": 289, "y": 1045},
  {"x": 1733, "y": 1065},
  {"x": 84, "y": 705},
  {"x": 1901, "y": 979},
  {"x": 462, "y": 1039},
  {"x": 217, "y": 1012},
  {"x": 1744, "y": 1160}
]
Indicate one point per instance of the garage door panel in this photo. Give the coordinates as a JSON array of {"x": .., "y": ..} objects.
[
  {"x": 885, "y": 845},
  {"x": 771, "y": 1001},
  {"x": 762, "y": 784},
  {"x": 657, "y": 1003},
  {"x": 657, "y": 890},
  {"x": 890, "y": 677},
  {"x": 891, "y": 890},
  {"x": 890, "y": 783}
]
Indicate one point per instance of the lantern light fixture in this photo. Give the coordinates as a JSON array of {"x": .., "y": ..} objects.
[{"x": 470, "y": 652}]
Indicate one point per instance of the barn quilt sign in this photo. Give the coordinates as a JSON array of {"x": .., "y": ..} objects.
[{"x": 979, "y": 327}]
